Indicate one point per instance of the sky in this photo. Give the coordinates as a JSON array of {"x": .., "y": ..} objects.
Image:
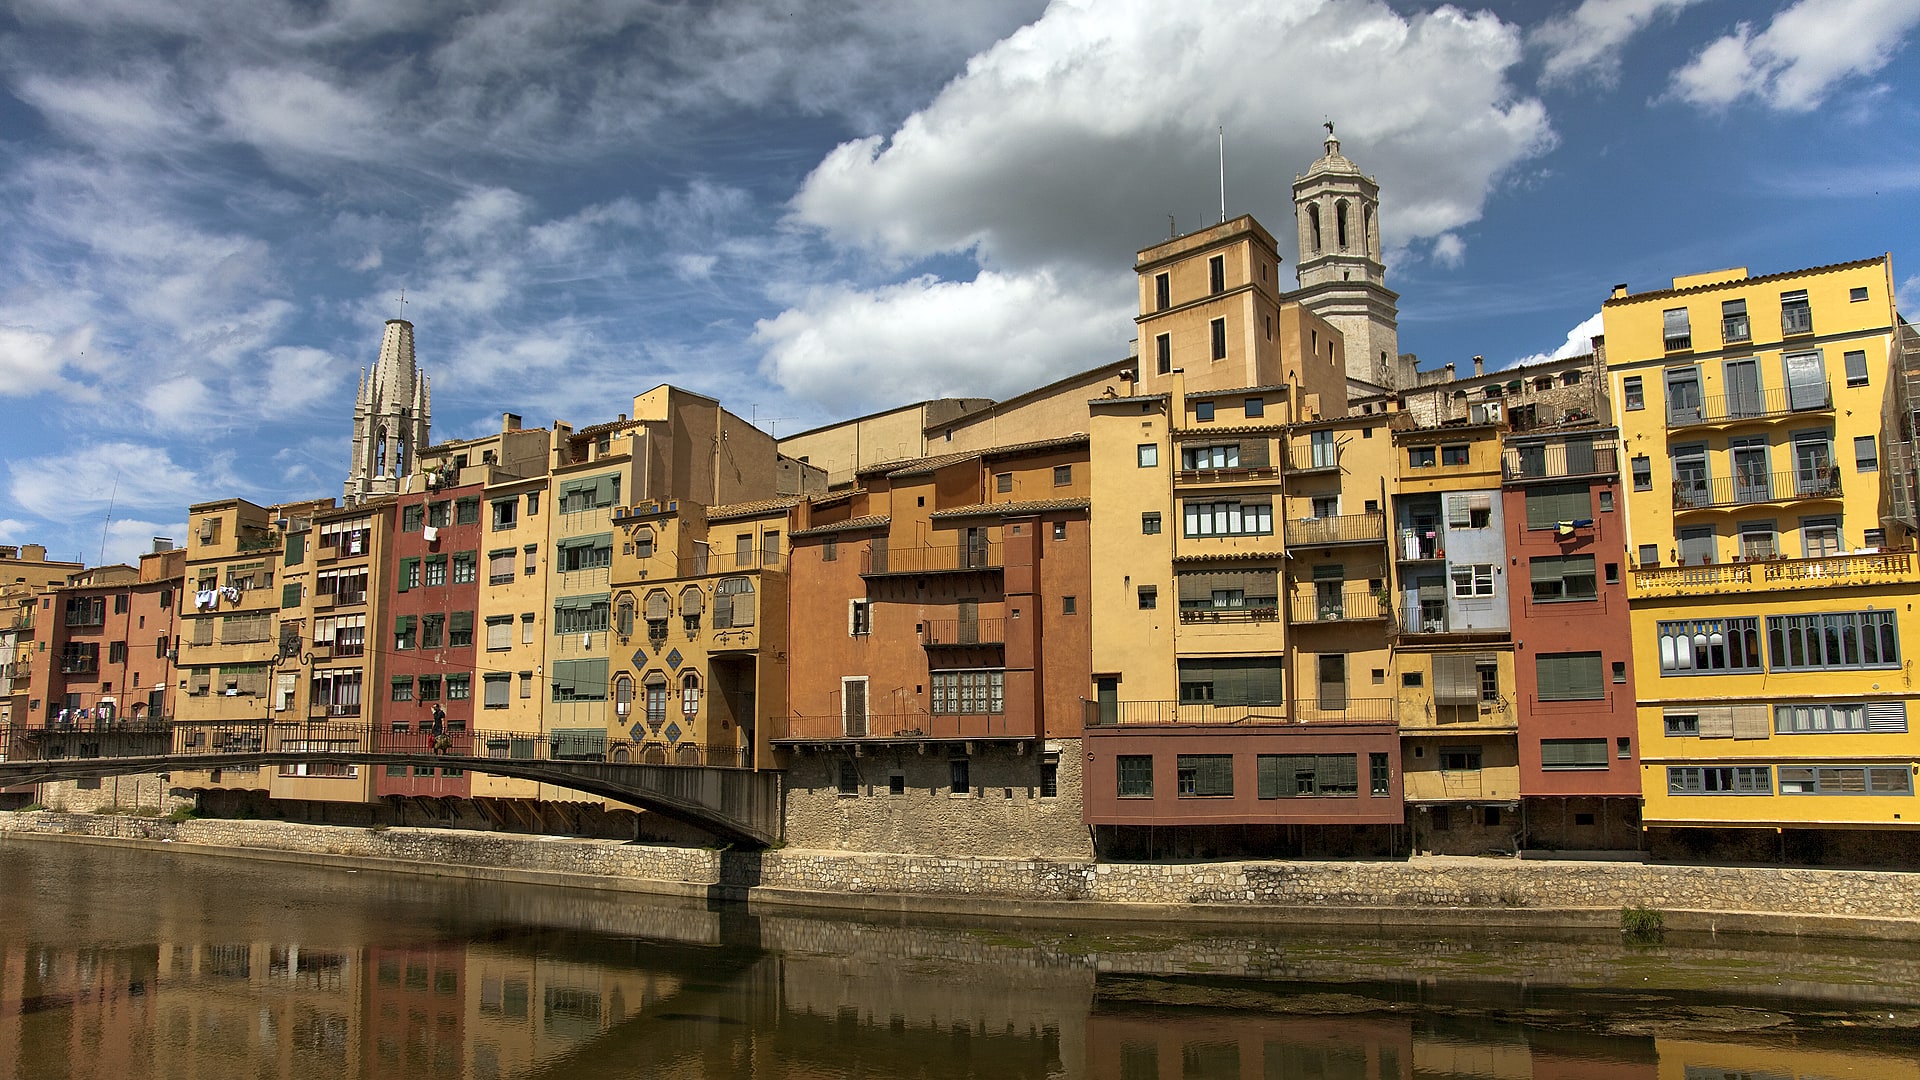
[{"x": 208, "y": 208}]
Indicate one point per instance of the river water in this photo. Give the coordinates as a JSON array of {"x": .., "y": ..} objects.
[{"x": 134, "y": 963}]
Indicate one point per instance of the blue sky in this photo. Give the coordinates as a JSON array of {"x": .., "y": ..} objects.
[{"x": 809, "y": 212}]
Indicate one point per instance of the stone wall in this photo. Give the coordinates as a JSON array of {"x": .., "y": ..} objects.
[
  {"x": 1003, "y": 813},
  {"x": 91, "y": 796},
  {"x": 1423, "y": 890}
]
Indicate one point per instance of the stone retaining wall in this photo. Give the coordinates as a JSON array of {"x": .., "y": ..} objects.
[{"x": 1435, "y": 890}]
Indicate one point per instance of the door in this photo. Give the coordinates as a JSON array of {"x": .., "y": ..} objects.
[
  {"x": 853, "y": 706},
  {"x": 1325, "y": 451},
  {"x": 1333, "y": 682},
  {"x": 976, "y": 548},
  {"x": 1750, "y": 479},
  {"x": 1107, "y": 693},
  {"x": 1814, "y": 473},
  {"x": 969, "y": 622},
  {"x": 1683, "y": 396},
  {"x": 1690, "y": 477},
  {"x": 1696, "y": 547},
  {"x": 1743, "y": 388}
]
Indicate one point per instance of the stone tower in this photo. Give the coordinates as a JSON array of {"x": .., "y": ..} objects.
[
  {"x": 1342, "y": 279},
  {"x": 391, "y": 418}
]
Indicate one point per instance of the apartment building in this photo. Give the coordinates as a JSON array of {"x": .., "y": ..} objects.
[
  {"x": 1770, "y": 576},
  {"x": 432, "y": 597},
  {"x": 23, "y": 570}
]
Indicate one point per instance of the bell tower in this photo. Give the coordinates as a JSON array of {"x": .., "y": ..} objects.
[
  {"x": 391, "y": 418},
  {"x": 1342, "y": 278}
]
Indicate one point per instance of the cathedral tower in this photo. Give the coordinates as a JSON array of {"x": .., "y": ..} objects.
[
  {"x": 1342, "y": 279},
  {"x": 391, "y": 418}
]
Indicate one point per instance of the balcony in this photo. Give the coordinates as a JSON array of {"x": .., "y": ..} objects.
[
  {"x": 1210, "y": 614},
  {"x": 1347, "y": 605},
  {"x": 962, "y": 633},
  {"x": 1180, "y": 713},
  {"x": 1467, "y": 717},
  {"x": 1334, "y": 531},
  {"x": 1241, "y": 474},
  {"x": 79, "y": 665},
  {"x": 1313, "y": 460},
  {"x": 1831, "y": 572},
  {"x": 1544, "y": 461},
  {"x": 1729, "y": 491},
  {"x": 955, "y": 558},
  {"x": 1749, "y": 405},
  {"x": 1347, "y": 711},
  {"x": 834, "y": 727}
]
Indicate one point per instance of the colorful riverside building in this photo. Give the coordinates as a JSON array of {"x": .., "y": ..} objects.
[{"x": 1771, "y": 575}]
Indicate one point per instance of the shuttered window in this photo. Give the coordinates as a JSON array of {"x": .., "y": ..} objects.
[
  {"x": 1288, "y": 776},
  {"x": 1549, "y": 504},
  {"x": 500, "y": 632},
  {"x": 1807, "y": 380},
  {"x": 580, "y": 680},
  {"x": 1569, "y": 676},
  {"x": 1205, "y": 775},
  {"x": 1573, "y": 753},
  {"x": 1456, "y": 680},
  {"x": 1231, "y": 681}
]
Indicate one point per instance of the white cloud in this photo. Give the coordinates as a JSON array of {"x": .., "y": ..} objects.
[
  {"x": 1579, "y": 343},
  {"x": 81, "y": 481},
  {"x": 135, "y": 111},
  {"x": 995, "y": 335},
  {"x": 299, "y": 113},
  {"x": 1587, "y": 41},
  {"x": 34, "y": 361},
  {"x": 1801, "y": 56},
  {"x": 1906, "y": 297},
  {"x": 1449, "y": 250},
  {"x": 129, "y": 538}
]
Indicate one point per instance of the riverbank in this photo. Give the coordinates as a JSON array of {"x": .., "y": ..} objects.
[{"x": 1422, "y": 891}]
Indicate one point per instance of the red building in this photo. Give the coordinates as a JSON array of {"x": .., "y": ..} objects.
[
  {"x": 429, "y": 637},
  {"x": 1566, "y": 539},
  {"x": 109, "y": 642}
]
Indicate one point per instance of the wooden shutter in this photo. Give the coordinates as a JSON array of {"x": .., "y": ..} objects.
[
  {"x": 691, "y": 602},
  {"x": 1716, "y": 721},
  {"x": 1455, "y": 682},
  {"x": 1751, "y": 722},
  {"x": 658, "y": 605}
]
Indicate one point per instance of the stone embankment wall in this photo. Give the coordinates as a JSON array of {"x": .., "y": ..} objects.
[{"x": 1426, "y": 890}]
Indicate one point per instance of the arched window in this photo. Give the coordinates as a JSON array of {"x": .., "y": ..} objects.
[
  {"x": 623, "y": 694},
  {"x": 692, "y": 603},
  {"x": 656, "y": 688},
  {"x": 659, "y": 606},
  {"x": 623, "y": 617},
  {"x": 1313, "y": 226},
  {"x": 1340, "y": 223},
  {"x": 1366, "y": 228},
  {"x": 690, "y": 694},
  {"x": 380, "y": 453}
]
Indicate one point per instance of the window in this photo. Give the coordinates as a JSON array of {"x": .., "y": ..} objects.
[
  {"x": 1217, "y": 274},
  {"x": 1460, "y": 759},
  {"x": 1163, "y": 353},
  {"x": 1866, "y": 454},
  {"x": 830, "y": 549},
  {"x": 1134, "y": 776},
  {"x": 1062, "y": 475},
  {"x": 1642, "y": 473},
  {"x": 1162, "y": 292},
  {"x": 1856, "y": 362},
  {"x": 1069, "y": 605},
  {"x": 432, "y": 630},
  {"x": 460, "y": 630},
  {"x": 403, "y": 631},
  {"x": 436, "y": 573},
  {"x": 1228, "y": 517},
  {"x": 1707, "y": 646},
  {"x": 411, "y": 517},
  {"x": 499, "y": 632},
  {"x": 1857, "y": 294},
  {"x": 1149, "y": 597},
  {"x": 1412, "y": 679},
  {"x": 1683, "y": 395},
  {"x": 1003, "y": 482},
  {"x": 1807, "y": 381},
  {"x": 1457, "y": 454},
  {"x": 1566, "y": 754},
  {"x": 897, "y": 784},
  {"x": 1819, "y": 717},
  {"x": 1709, "y": 780},
  {"x": 1256, "y": 408},
  {"x": 1202, "y": 776},
  {"x": 1473, "y": 579},
  {"x": 439, "y": 514},
  {"x": 495, "y": 690},
  {"x": 849, "y": 778},
  {"x": 1633, "y": 394},
  {"x": 1849, "y": 639},
  {"x": 506, "y": 514},
  {"x": 656, "y": 698},
  {"x": 1290, "y": 776},
  {"x": 1219, "y": 327},
  {"x": 1558, "y": 578},
  {"x": 1147, "y": 455},
  {"x": 583, "y": 614},
  {"x": 403, "y": 688},
  {"x": 1845, "y": 780},
  {"x": 466, "y": 510},
  {"x": 429, "y": 688},
  {"x": 500, "y": 566},
  {"x": 1680, "y": 725},
  {"x": 1733, "y": 321},
  {"x": 533, "y": 497},
  {"x": 1676, "y": 331},
  {"x": 1569, "y": 676},
  {"x": 1606, "y": 500},
  {"x": 1050, "y": 776},
  {"x": 409, "y": 574},
  {"x": 459, "y": 687},
  {"x": 1150, "y": 523},
  {"x": 1203, "y": 411},
  {"x": 1471, "y": 511},
  {"x": 859, "y": 617},
  {"x": 1226, "y": 456},
  {"x": 1421, "y": 457},
  {"x": 464, "y": 567},
  {"x": 579, "y": 680},
  {"x": 1795, "y": 316},
  {"x": 1231, "y": 681},
  {"x": 690, "y": 695},
  {"x": 1550, "y": 504},
  {"x": 1059, "y": 530},
  {"x": 592, "y": 552},
  {"x": 968, "y": 693}
]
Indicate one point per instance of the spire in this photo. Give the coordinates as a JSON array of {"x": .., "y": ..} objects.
[{"x": 390, "y": 421}]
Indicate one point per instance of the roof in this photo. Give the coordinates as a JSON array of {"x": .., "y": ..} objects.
[
  {"x": 1229, "y": 429},
  {"x": 877, "y": 521},
  {"x": 1107, "y": 370},
  {"x": 1037, "y": 506},
  {"x": 752, "y": 509},
  {"x": 837, "y": 497},
  {"x": 1232, "y": 556},
  {"x": 926, "y": 465},
  {"x": 1713, "y": 286}
]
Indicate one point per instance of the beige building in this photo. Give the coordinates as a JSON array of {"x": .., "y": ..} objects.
[{"x": 841, "y": 449}]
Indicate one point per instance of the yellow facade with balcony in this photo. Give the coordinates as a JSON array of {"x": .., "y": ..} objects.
[{"x": 1770, "y": 586}]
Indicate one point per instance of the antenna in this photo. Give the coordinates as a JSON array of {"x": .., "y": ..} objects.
[
  {"x": 1171, "y": 230},
  {"x": 108, "y": 524},
  {"x": 1223, "y": 174}
]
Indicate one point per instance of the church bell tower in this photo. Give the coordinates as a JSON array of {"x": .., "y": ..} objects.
[
  {"x": 391, "y": 418},
  {"x": 1342, "y": 278}
]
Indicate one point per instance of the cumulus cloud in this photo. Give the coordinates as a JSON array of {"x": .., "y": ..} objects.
[
  {"x": 1449, "y": 250},
  {"x": 1907, "y": 297},
  {"x": 1587, "y": 41},
  {"x": 1802, "y": 55},
  {"x": 1579, "y": 343},
  {"x": 997, "y": 334},
  {"x": 81, "y": 481}
]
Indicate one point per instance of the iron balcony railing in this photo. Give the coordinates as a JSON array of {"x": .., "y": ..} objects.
[
  {"x": 1878, "y": 568},
  {"x": 1330, "y": 708},
  {"x": 914, "y": 725},
  {"x": 1211, "y": 614},
  {"x": 955, "y": 633},
  {"x": 921, "y": 560},
  {"x": 1343, "y": 529},
  {"x": 1312, "y": 459},
  {"x": 1166, "y": 713},
  {"x": 1346, "y": 605},
  {"x": 1557, "y": 459},
  {"x": 1700, "y": 493},
  {"x": 1753, "y": 404}
]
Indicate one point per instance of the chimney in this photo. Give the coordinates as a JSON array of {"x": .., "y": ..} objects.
[
  {"x": 1619, "y": 291},
  {"x": 1479, "y": 366},
  {"x": 33, "y": 552},
  {"x": 1449, "y": 373},
  {"x": 509, "y": 422}
]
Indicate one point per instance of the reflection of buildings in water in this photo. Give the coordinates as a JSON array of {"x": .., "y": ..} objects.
[
  {"x": 89, "y": 1005},
  {"x": 269, "y": 1010},
  {"x": 522, "y": 1010},
  {"x": 415, "y": 1012},
  {"x": 1683, "y": 1059}
]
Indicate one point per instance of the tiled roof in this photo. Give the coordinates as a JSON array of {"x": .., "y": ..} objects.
[
  {"x": 878, "y": 521},
  {"x": 1736, "y": 282},
  {"x": 913, "y": 466},
  {"x": 1035, "y": 507},
  {"x": 1232, "y": 556},
  {"x": 752, "y": 509},
  {"x": 837, "y": 497},
  {"x": 1078, "y": 438}
]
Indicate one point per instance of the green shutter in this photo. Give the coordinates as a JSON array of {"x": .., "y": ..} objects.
[
  {"x": 290, "y": 595},
  {"x": 402, "y": 623},
  {"x": 296, "y": 549},
  {"x": 407, "y": 567},
  {"x": 460, "y": 620}
]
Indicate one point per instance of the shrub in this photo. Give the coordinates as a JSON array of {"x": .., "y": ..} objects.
[{"x": 1642, "y": 923}]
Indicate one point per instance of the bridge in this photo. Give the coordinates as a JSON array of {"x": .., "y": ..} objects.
[{"x": 735, "y": 804}]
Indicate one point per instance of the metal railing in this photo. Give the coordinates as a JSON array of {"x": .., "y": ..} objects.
[
  {"x": 1555, "y": 459},
  {"x": 914, "y": 725},
  {"x": 1166, "y": 713},
  {"x": 1344, "y": 529},
  {"x": 1307, "y": 459},
  {"x": 1353, "y": 710},
  {"x": 1691, "y": 493},
  {"x": 920, "y": 560},
  {"x": 1211, "y": 614},
  {"x": 1756, "y": 404},
  {"x": 961, "y": 632},
  {"x": 1346, "y": 605}
]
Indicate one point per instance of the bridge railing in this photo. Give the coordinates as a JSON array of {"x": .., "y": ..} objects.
[{"x": 454, "y": 740}]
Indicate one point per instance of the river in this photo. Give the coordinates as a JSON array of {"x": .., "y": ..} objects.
[{"x": 130, "y": 963}]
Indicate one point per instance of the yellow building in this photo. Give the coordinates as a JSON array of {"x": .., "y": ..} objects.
[{"x": 1771, "y": 584}]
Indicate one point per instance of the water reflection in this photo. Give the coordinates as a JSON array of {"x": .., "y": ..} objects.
[{"x": 145, "y": 964}]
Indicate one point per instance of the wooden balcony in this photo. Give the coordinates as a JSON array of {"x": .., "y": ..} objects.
[
  {"x": 1345, "y": 606},
  {"x": 1335, "y": 531},
  {"x": 962, "y": 633}
]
